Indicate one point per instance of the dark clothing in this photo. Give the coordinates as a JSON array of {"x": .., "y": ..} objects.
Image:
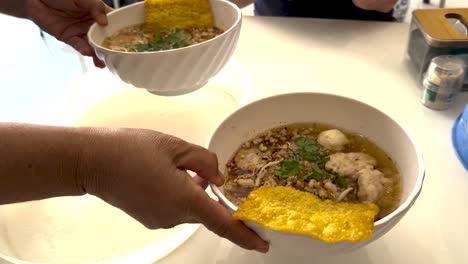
[
  {"x": 338, "y": 9},
  {"x": 122, "y": 3}
]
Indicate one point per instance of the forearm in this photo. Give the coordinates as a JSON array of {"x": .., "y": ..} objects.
[
  {"x": 376, "y": 5},
  {"x": 16, "y": 8},
  {"x": 242, "y": 3},
  {"x": 38, "y": 162}
]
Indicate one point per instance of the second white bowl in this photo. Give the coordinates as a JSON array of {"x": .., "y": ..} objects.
[{"x": 170, "y": 72}]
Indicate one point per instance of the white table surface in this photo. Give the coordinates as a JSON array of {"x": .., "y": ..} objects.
[{"x": 276, "y": 55}]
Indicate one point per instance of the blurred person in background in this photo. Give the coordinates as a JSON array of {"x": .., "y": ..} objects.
[{"x": 377, "y": 10}]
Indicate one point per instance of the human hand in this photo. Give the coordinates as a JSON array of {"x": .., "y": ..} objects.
[
  {"x": 144, "y": 173},
  {"x": 376, "y": 5},
  {"x": 69, "y": 21}
]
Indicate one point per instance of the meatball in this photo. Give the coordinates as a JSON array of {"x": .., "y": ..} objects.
[
  {"x": 248, "y": 159},
  {"x": 333, "y": 140},
  {"x": 348, "y": 164},
  {"x": 248, "y": 183},
  {"x": 370, "y": 185}
]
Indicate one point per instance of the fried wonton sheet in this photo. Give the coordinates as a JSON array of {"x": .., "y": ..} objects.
[
  {"x": 170, "y": 14},
  {"x": 289, "y": 210}
]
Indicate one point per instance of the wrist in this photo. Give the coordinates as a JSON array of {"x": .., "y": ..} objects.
[
  {"x": 40, "y": 162},
  {"x": 97, "y": 158}
]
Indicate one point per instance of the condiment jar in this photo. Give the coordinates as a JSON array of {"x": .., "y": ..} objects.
[{"x": 443, "y": 81}]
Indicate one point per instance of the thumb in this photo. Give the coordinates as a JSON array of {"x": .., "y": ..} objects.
[{"x": 217, "y": 219}]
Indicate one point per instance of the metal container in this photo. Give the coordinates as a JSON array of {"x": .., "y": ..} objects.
[
  {"x": 435, "y": 32},
  {"x": 443, "y": 81}
]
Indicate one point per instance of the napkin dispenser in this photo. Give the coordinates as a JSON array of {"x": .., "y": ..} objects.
[{"x": 435, "y": 32}]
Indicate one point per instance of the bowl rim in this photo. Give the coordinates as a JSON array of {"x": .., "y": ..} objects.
[
  {"x": 96, "y": 45},
  {"x": 402, "y": 208}
]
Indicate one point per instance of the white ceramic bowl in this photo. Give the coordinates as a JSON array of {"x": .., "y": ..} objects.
[
  {"x": 342, "y": 112},
  {"x": 171, "y": 72}
]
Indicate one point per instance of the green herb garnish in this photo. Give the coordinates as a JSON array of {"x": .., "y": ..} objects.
[
  {"x": 340, "y": 181},
  {"x": 316, "y": 173},
  {"x": 310, "y": 150},
  {"x": 288, "y": 168},
  {"x": 177, "y": 39}
]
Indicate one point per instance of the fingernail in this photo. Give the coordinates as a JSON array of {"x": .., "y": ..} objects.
[
  {"x": 221, "y": 175},
  {"x": 219, "y": 182},
  {"x": 220, "y": 179},
  {"x": 263, "y": 249}
]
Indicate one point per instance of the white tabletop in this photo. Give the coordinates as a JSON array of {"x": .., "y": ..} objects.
[{"x": 364, "y": 60}]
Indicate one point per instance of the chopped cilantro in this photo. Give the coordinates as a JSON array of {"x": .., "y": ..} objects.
[
  {"x": 288, "y": 168},
  {"x": 316, "y": 173},
  {"x": 308, "y": 150},
  {"x": 340, "y": 181},
  {"x": 311, "y": 151},
  {"x": 177, "y": 39}
]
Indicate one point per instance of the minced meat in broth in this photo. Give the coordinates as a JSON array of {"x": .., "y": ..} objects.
[
  {"x": 328, "y": 162},
  {"x": 139, "y": 38}
]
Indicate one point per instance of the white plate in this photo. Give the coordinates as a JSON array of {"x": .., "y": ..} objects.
[
  {"x": 81, "y": 229},
  {"x": 76, "y": 229}
]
